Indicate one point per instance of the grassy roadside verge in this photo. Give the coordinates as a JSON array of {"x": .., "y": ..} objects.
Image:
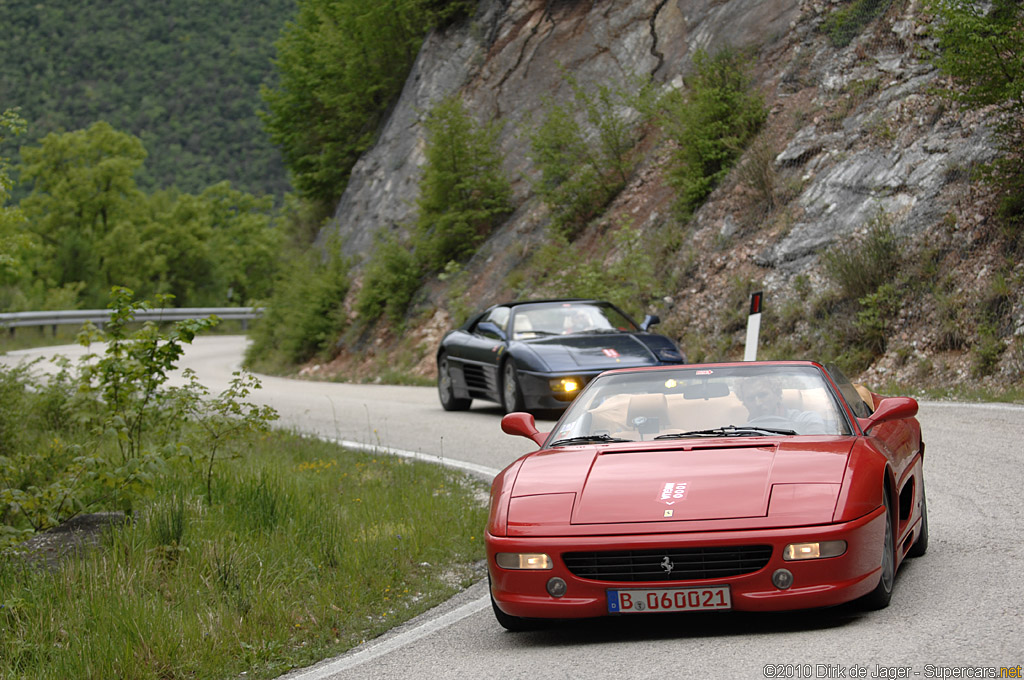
[{"x": 303, "y": 550}]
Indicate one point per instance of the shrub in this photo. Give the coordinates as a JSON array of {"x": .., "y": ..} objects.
[
  {"x": 843, "y": 25},
  {"x": 390, "y": 280},
  {"x": 876, "y": 311},
  {"x": 621, "y": 273},
  {"x": 305, "y": 315},
  {"x": 119, "y": 427},
  {"x": 863, "y": 263}
]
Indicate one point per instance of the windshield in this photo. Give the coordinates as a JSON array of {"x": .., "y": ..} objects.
[
  {"x": 562, "y": 318},
  {"x": 704, "y": 401}
]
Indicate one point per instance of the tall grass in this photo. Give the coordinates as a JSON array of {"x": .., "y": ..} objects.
[{"x": 305, "y": 550}]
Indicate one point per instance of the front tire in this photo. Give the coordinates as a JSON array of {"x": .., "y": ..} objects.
[
  {"x": 879, "y": 597},
  {"x": 446, "y": 390},
  {"x": 511, "y": 393}
]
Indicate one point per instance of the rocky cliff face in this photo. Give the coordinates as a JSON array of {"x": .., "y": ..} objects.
[
  {"x": 510, "y": 57},
  {"x": 854, "y": 133}
]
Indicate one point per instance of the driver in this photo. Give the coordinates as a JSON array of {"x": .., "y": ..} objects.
[{"x": 763, "y": 399}]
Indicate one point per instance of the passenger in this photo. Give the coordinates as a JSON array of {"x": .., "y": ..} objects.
[
  {"x": 577, "y": 321},
  {"x": 866, "y": 396}
]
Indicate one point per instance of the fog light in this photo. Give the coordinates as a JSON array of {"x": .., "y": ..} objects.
[
  {"x": 782, "y": 578},
  {"x": 523, "y": 561},
  {"x": 556, "y": 587},
  {"x": 813, "y": 551}
]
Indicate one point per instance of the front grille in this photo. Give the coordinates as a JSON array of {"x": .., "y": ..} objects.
[{"x": 651, "y": 565}]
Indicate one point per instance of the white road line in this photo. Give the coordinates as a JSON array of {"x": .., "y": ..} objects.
[
  {"x": 487, "y": 473},
  {"x": 986, "y": 406},
  {"x": 343, "y": 663}
]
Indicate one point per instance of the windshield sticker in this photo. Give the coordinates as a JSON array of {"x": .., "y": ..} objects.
[
  {"x": 673, "y": 492},
  {"x": 610, "y": 353},
  {"x": 705, "y": 372}
]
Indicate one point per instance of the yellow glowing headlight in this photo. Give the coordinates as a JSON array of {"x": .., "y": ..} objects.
[
  {"x": 564, "y": 385},
  {"x": 523, "y": 561},
  {"x": 813, "y": 551}
]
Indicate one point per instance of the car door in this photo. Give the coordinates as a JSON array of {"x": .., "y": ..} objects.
[{"x": 481, "y": 353}]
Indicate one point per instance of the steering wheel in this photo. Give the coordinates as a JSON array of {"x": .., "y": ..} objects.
[{"x": 773, "y": 422}]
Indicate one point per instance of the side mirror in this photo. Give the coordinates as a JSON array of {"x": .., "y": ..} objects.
[
  {"x": 650, "y": 320},
  {"x": 523, "y": 425},
  {"x": 490, "y": 330},
  {"x": 890, "y": 408}
]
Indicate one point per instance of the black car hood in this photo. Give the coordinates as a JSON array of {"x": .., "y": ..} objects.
[{"x": 592, "y": 351}]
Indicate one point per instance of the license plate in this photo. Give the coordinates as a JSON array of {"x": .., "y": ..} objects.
[{"x": 636, "y": 601}]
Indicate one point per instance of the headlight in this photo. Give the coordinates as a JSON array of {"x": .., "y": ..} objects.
[
  {"x": 565, "y": 386},
  {"x": 523, "y": 561},
  {"x": 813, "y": 551}
]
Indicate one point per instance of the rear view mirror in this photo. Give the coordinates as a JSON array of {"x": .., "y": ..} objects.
[
  {"x": 890, "y": 408},
  {"x": 490, "y": 329},
  {"x": 650, "y": 320},
  {"x": 523, "y": 425},
  {"x": 706, "y": 391}
]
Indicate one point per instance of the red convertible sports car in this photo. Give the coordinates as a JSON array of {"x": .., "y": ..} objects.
[{"x": 753, "y": 486}]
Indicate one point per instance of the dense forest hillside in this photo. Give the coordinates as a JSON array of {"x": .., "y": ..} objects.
[{"x": 183, "y": 76}]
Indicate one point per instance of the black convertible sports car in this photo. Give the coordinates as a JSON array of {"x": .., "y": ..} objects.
[{"x": 539, "y": 354}]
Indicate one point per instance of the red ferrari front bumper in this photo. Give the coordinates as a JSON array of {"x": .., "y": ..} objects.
[{"x": 815, "y": 583}]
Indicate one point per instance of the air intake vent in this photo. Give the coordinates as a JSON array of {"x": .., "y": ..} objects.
[{"x": 668, "y": 564}]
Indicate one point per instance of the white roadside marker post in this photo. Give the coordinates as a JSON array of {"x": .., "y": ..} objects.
[{"x": 753, "y": 326}]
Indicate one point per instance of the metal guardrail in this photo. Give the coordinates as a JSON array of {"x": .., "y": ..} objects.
[{"x": 77, "y": 317}]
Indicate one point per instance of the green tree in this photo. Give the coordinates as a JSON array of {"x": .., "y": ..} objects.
[
  {"x": 981, "y": 45},
  {"x": 710, "y": 121},
  {"x": 83, "y": 195},
  {"x": 97, "y": 230},
  {"x": 218, "y": 248},
  {"x": 584, "y": 160},
  {"x": 341, "y": 65},
  {"x": 464, "y": 192},
  {"x": 15, "y": 245}
]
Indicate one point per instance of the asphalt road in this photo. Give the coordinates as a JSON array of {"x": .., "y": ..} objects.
[{"x": 956, "y": 611}]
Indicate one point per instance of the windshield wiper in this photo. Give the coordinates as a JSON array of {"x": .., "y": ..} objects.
[
  {"x": 727, "y": 431},
  {"x": 588, "y": 439}
]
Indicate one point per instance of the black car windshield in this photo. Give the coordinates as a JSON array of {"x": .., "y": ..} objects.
[
  {"x": 563, "y": 318},
  {"x": 706, "y": 401}
]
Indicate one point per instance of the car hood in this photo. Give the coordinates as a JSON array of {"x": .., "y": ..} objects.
[
  {"x": 592, "y": 351},
  {"x": 675, "y": 483}
]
